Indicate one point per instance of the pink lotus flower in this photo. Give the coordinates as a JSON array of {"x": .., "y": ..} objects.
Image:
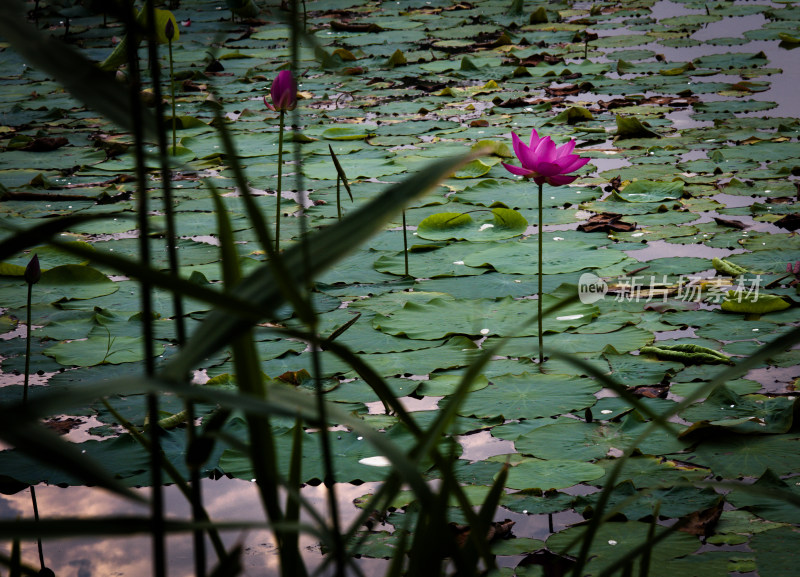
[
  {"x": 543, "y": 161},
  {"x": 283, "y": 92}
]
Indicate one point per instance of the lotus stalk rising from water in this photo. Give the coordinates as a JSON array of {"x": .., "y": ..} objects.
[{"x": 542, "y": 161}]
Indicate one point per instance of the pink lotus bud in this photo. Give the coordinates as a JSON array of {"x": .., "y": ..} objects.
[
  {"x": 169, "y": 30},
  {"x": 33, "y": 272},
  {"x": 283, "y": 92},
  {"x": 797, "y": 267}
]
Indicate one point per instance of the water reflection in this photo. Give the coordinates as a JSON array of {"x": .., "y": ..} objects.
[{"x": 225, "y": 499}]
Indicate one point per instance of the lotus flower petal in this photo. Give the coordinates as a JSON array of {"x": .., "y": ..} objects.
[
  {"x": 560, "y": 179},
  {"x": 535, "y": 138},
  {"x": 525, "y": 154},
  {"x": 517, "y": 170},
  {"x": 548, "y": 168},
  {"x": 565, "y": 149},
  {"x": 572, "y": 163}
]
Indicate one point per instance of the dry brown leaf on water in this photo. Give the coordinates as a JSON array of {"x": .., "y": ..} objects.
[
  {"x": 45, "y": 144},
  {"x": 702, "y": 522},
  {"x": 789, "y": 222},
  {"x": 497, "y": 530},
  {"x": 730, "y": 223},
  {"x": 606, "y": 222}
]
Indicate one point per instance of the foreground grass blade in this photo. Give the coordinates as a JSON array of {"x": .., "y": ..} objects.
[
  {"x": 35, "y": 440},
  {"x": 325, "y": 248},
  {"x": 132, "y": 268},
  {"x": 251, "y": 381},
  {"x": 621, "y": 390},
  {"x": 81, "y": 77},
  {"x": 776, "y": 346},
  {"x": 173, "y": 474},
  {"x": 34, "y": 235},
  {"x": 290, "y": 291}
]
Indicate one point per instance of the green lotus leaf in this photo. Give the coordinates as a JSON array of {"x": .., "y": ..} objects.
[
  {"x": 687, "y": 353},
  {"x": 632, "y": 127},
  {"x": 651, "y": 471},
  {"x": 651, "y": 191},
  {"x": 773, "y": 551},
  {"x": 671, "y": 501},
  {"x": 474, "y": 169},
  {"x": 530, "y": 396},
  {"x": 355, "y": 132},
  {"x": 734, "y": 456},
  {"x": 615, "y": 539},
  {"x": 548, "y": 475},
  {"x": 766, "y": 500},
  {"x": 439, "y": 318},
  {"x": 504, "y": 223},
  {"x": 587, "y": 441},
  {"x": 758, "y": 304},
  {"x": 559, "y": 256},
  {"x": 100, "y": 348}
]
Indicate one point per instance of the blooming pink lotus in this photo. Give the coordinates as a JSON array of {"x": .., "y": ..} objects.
[
  {"x": 283, "y": 92},
  {"x": 543, "y": 161}
]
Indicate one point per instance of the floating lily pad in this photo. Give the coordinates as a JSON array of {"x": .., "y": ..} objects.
[
  {"x": 651, "y": 191},
  {"x": 614, "y": 540},
  {"x": 773, "y": 551},
  {"x": 555, "y": 474},
  {"x": 588, "y": 441},
  {"x": 442, "y": 317},
  {"x": 498, "y": 224},
  {"x": 530, "y": 396},
  {"x": 558, "y": 257},
  {"x": 736, "y": 456},
  {"x": 766, "y": 501}
]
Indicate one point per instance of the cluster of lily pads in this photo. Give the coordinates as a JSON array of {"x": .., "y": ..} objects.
[{"x": 683, "y": 162}]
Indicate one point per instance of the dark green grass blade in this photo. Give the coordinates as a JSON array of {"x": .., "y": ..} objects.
[
  {"x": 325, "y": 248},
  {"x": 81, "y": 77}
]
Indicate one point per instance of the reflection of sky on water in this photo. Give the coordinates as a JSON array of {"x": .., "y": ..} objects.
[{"x": 225, "y": 500}]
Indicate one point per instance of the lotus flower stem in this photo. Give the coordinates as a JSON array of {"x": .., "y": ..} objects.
[
  {"x": 405, "y": 243},
  {"x": 27, "y": 346},
  {"x": 539, "y": 306},
  {"x": 278, "y": 192},
  {"x": 542, "y": 161},
  {"x": 33, "y": 273},
  {"x": 172, "y": 97},
  {"x": 283, "y": 93}
]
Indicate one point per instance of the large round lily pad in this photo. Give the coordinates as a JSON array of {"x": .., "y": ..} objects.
[
  {"x": 555, "y": 474},
  {"x": 439, "y": 318},
  {"x": 497, "y": 224},
  {"x": 557, "y": 257},
  {"x": 530, "y": 396}
]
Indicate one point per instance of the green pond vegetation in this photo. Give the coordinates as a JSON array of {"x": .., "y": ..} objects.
[{"x": 664, "y": 412}]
